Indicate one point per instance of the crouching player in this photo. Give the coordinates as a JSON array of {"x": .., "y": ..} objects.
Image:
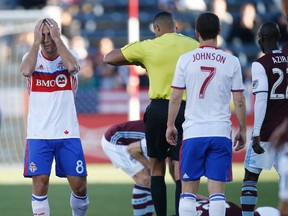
[{"x": 125, "y": 145}]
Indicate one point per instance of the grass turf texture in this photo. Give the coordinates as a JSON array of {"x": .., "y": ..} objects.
[{"x": 110, "y": 192}]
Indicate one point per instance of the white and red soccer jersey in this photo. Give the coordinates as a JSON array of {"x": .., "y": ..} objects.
[
  {"x": 52, "y": 112},
  {"x": 209, "y": 75}
]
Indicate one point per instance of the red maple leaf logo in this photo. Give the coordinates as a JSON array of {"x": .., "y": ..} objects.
[{"x": 66, "y": 132}]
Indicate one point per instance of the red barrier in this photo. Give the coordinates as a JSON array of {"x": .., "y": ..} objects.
[{"x": 92, "y": 127}]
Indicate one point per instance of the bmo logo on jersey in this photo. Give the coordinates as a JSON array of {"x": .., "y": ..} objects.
[
  {"x": 61, "y": 80},
  {"x": 46, "y": 82}
]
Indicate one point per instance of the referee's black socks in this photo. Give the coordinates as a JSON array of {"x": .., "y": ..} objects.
[{"x": 159, "y": 195}]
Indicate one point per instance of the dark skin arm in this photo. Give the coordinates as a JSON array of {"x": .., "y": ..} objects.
[{"x": 256, "y": 145}]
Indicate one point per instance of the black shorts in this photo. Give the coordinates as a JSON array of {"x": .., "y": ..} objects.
[{"x": 155, "y": 119}]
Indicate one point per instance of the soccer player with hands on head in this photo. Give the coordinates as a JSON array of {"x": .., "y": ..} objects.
[
  {"x": 52, "y": 124},
  {"x": 208, "y": 75},
  {"x": 270, "y": 80}
]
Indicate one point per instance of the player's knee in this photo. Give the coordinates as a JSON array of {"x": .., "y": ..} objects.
[
  {"x": 143, "y": 179},
  {"x": 146, "y": 180},
  {"x": 80, "y": 190},
  {"x": 250, "y": 176},
  {"x": 40, "y": 186}
]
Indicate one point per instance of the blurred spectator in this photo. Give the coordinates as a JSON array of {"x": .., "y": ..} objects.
[
  {"x": 86, "y": 74},
  {"x": 5, "y": 51},
  {"x": 245, "y": 27},
  {"x": 185, "y": 5},
  {"x": 167, "y": 5},
  {"x": 219, "y": 7},
  {"x": 109, "y": 76},
  {"x": 33, "y": 4}
]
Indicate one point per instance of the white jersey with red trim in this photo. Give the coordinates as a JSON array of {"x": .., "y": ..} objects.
[
  {"x": 209, "y": 75},
  {"x": 52, "y": 111}
]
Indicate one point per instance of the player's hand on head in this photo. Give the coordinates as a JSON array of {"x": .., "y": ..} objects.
[
  {"x": 38, "y": 32},
  {"x": 172, "y": 135},
  {"x": 53, "y": 28},
  {"x": 256, "y": 145}
]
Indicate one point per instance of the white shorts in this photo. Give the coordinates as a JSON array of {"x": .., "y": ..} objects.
[
  {"x": 257, "y": 162},
  {"x": 120, "y": 157},
  {"x": 283, "y": 172}
]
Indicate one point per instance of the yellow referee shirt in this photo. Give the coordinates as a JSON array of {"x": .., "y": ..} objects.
[{"x": 159, "y": 56}]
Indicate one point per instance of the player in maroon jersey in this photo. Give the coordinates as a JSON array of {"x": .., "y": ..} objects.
[
  {"x": 270, "y": 81},
  {"x": 234, "y": 210},
  {"x": 125, "y": 145}
]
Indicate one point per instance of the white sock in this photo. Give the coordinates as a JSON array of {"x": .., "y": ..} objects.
[
  {"x": 217, "y": 206},
  {"x": 40, "y": 205},
  {"x": 79, "y": 204},
  {"x": 187, "y": 204}
]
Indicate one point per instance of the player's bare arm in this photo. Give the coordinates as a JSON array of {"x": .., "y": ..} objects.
[
  {"x": 240, "y": 112},
  {"x": 135, "y": 151},
  {"x": 116, "y": 57},
  {"x": 174, "y": 106},
  {"x": 27, "y": 66},
  {"x": 68, "y": 59}
]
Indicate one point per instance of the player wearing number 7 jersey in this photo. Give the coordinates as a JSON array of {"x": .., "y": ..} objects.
[
  {"x": 269, "y": 76},
  {"x": 209, "y": 75}
]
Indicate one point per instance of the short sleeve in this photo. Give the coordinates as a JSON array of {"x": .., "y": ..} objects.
[
  {"x": 178, "y": 79},
  {"x": 237, "y": 80},
  {"x": 133, "y": 52},
  {"x": 259, "y": 78}
]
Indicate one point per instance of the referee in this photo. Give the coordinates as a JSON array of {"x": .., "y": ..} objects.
[{"x": 159, "y": 57}]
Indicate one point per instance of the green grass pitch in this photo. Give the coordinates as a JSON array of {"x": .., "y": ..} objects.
[{"x": 110, "y": 192}]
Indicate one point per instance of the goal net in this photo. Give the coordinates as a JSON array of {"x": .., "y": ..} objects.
[{"x": 16, "y": 37}]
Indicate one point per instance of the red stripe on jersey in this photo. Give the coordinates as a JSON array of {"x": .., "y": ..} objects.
[{"x": 50, "y": 82}]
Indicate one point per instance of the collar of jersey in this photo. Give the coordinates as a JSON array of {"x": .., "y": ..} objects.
[{"x": 206, "y": 46}]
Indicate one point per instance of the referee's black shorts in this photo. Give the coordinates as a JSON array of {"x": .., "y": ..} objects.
[{"x": 155, "y": 119}]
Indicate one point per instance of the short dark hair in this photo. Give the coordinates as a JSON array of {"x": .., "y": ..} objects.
[
  {"x": 208, "y": 25},
  {"x": 163, "y": 15},
  {"x": 269, "y": 30},
  {"x": 164, "y": 18}
]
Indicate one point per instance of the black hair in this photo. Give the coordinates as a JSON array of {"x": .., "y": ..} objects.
[
  {"x": 269, "y": 30},
  {"x": 208, "y": 25},
  {"x": 164, "y": 17}
]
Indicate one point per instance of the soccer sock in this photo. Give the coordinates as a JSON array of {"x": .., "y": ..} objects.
[
  {"x": 187, "y": 204},
  {"x": 217, "y": 206},
  {"x": 177, "y": 196},
  {"x": 159, "y": 196},
  {"x": 150, "y": 206},
  {"x": 79, "y": 204},
  {"x": 40, "y": 205},
  {"x": 142, "y": 201},
  {"x": 248, "y": 198}
]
